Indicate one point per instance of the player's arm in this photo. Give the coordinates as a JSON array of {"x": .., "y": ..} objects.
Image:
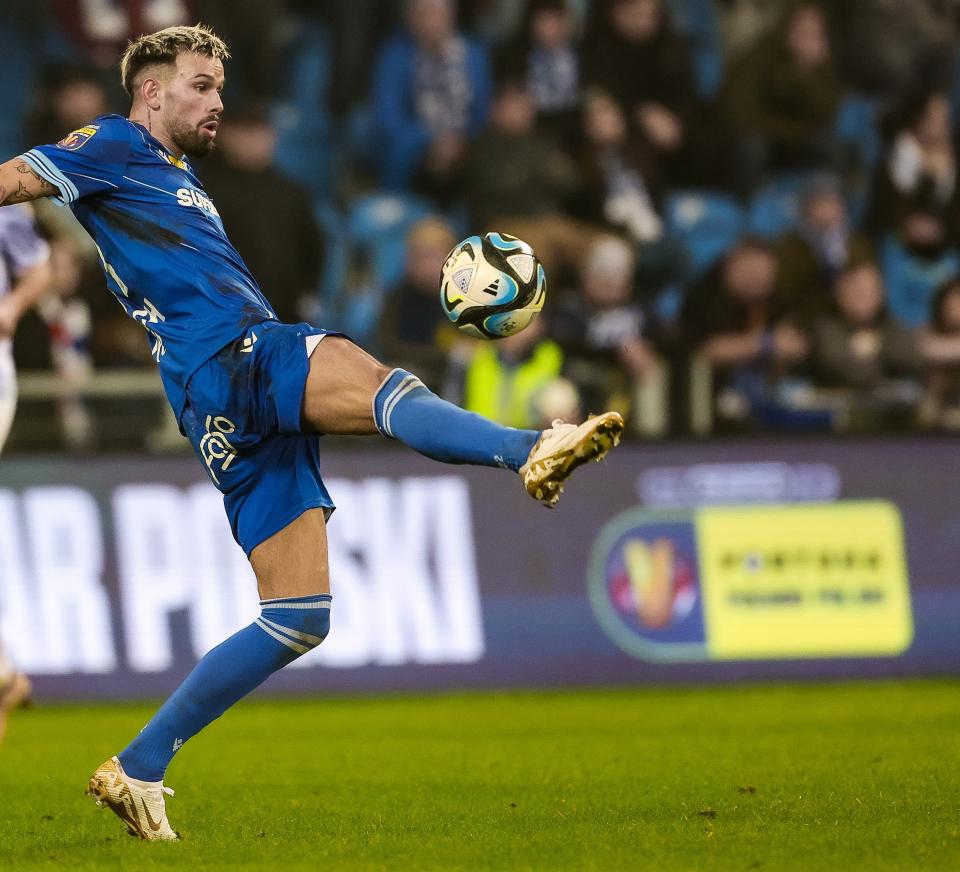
[{"x": 19, "y": 183}]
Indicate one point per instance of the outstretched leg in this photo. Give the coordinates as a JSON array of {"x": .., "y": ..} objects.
[
  {"x": 293, "y": 580},
  {"x": 349, "y": 392}
]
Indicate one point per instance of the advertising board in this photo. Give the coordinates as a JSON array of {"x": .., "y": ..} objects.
[{"x": 670, "y": 563}]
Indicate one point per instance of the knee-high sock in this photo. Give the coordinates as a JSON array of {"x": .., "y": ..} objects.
[
  {"x": 285, "y": 629},
  {"x": 406, "y": 410}
]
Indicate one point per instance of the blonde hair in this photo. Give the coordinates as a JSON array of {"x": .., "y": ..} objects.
[{"x": 164, "y": 46}]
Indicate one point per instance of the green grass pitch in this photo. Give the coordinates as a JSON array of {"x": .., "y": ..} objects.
[{"x": 838, "y": 777}]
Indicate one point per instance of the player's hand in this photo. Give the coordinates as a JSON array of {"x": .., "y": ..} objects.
[{"x": 10, "y": 315}]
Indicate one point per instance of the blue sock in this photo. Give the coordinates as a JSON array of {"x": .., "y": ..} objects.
[
  {"x": 285, "y": 629},
  {"x": 404, "y": 409}
]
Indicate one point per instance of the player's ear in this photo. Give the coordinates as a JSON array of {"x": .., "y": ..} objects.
[{"x": 150, "y": 92}]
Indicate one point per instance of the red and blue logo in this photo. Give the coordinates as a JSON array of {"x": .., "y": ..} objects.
[
  {"x": 644, "y": 586},
  {"x": 78, "y": 138}
]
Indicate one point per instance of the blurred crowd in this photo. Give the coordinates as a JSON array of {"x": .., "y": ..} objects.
[{"x": 748, "y": 210}]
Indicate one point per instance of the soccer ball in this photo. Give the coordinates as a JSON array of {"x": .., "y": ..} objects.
[{"x": 492, "y": 286}]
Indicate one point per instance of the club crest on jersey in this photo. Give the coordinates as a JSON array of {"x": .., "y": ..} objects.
[
  {"x": 193, "y": 197},
  {"x": 78, "y": 138}
]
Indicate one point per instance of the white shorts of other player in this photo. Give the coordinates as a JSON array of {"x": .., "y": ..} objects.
[{"x": 8, "y": 390}]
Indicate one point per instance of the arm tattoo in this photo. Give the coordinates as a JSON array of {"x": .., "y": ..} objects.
[{"x": 36, "y": 186}]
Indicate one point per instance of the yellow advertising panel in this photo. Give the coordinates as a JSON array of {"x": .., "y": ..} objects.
[{"x": 820, "y": 580}]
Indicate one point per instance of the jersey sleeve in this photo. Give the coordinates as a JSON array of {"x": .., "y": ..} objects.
[
  {"x": 91, "y": 160},
  {"x": 21, "y": 244}
]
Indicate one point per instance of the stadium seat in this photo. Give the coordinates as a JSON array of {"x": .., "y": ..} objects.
[
  {"x": 775, "y": 208},
  {"x": 308, "y": 147},
  {"x": 697, "y": 21},
  {"x": 17, "y": 72},
  {"x": 336, "y": 254},
  {"x": 706, "y": 223},
  {"x": 857, "y": 128},
  {"x": 361, "y": 137},
  {"x": 377, "y": 227},
  {"x": 911, "y": 281}
]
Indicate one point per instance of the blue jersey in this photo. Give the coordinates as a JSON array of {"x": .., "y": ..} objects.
[{"x": 161, "y": 241}]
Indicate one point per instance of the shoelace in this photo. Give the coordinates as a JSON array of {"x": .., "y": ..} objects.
[{"x": 169, "y": 791}]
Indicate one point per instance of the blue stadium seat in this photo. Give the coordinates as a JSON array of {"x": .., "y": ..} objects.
[
  {"x": 308, "y": 145},
  {"x": 308, "y": 148},
  {"x": 775, "y": 208},
  {"x": 697, "y": 21},
  {"x": 361, "y": 136},
  {"x": 857, "y": 126},
  {"x": 706, "y": 223},
  {"x": 336, "y": 255},
  {"x": 377, "y": 227},
  {"x": 911, "y": 281},
  {"x": 18, "y": 62}
]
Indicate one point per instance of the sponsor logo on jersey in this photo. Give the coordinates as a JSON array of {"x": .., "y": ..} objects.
[
  {"x": 215, "y": 447},
  {"x": 197, "y": 199},
  {"x": 78, "y": 138}
]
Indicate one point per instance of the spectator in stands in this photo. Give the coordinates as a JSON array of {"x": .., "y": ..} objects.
[
  {"x": 70, "y": 97},
  {"x": 546, "y": 56},
  {"x": 102, "y": 30},
  {"x": 512, "y": 169},
  {"x": 812, "y": 256},
  {"x": 617, "y": 174},
  {"x": 921, "y": 52},
  {"x": 68, "y": 317},
  {"x": 631, "y": 53},
  {"x": 603, "y": 330},
  {"x": 734, "y": 319},
  {"x": 920, "y": 171},
  {"x": 782, "y": 95},
  {"x": 278, "y": 238},
  {"x": 260, "y": 36},
  {"x": 518, "y": 181},
  {"x": 745, "y": 22},
  {"x": 915, "y": 261},
  {"x": 414, "y": 331},
  {"x": 431, "y": 93},
  {"x": 941, "y": 351},
  {"x": 506, "y": 380},
  {"x": 860, "y": 345}
]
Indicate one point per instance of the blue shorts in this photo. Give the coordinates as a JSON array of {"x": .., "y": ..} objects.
[{"x": 242, "y": 417}]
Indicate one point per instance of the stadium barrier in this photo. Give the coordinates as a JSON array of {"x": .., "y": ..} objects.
[{"x": 675, "y": 563}]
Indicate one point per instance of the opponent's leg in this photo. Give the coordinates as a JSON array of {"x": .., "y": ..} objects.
[
  {"x": 349, "y": 392},
  {"x": 15, "y": 690},
  {"x": 293, "y": 580}
]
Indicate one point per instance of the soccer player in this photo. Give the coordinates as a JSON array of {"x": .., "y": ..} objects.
[
  {"x": 25, "y": 274},
  {"x": 251, "y": 394}
]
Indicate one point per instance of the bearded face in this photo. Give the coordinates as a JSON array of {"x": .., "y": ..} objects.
[{"x": 191, "y": 103}]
